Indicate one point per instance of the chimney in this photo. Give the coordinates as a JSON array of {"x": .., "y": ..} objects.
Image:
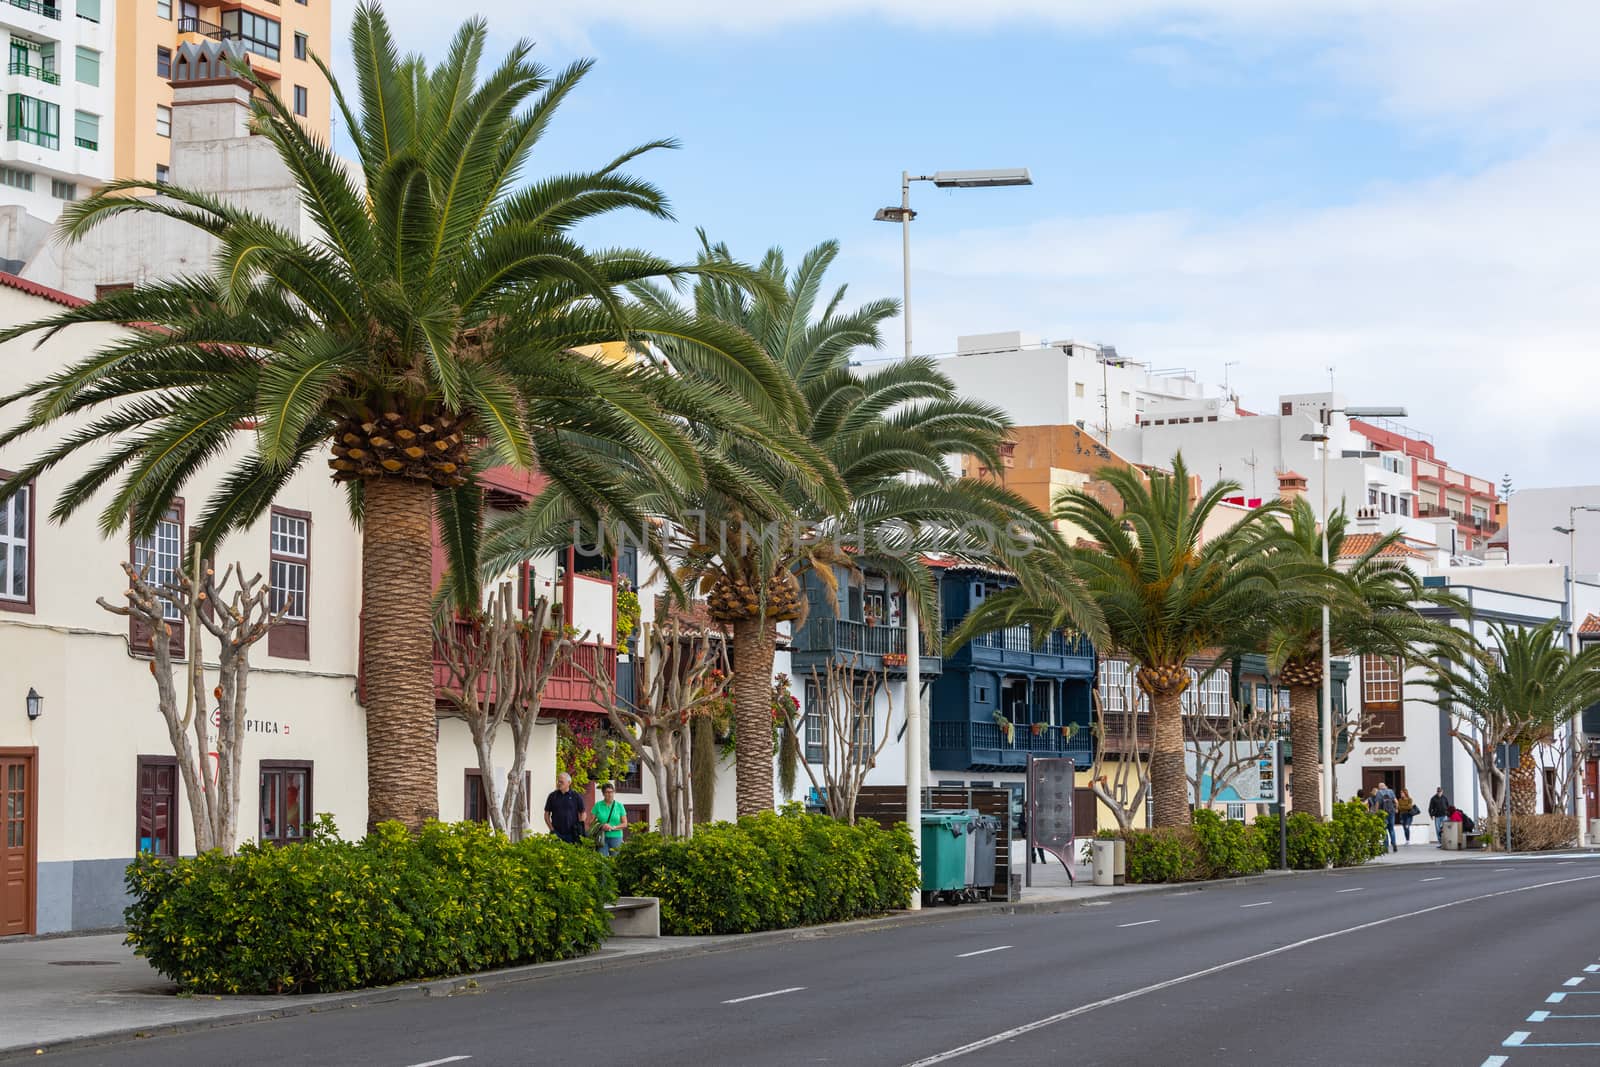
[
  {"x": 1291, "y": 486},
  {"x": 210, "y": 101}
]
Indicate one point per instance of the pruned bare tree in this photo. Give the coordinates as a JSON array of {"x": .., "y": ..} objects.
[
  {"x": 683, "y": 680},
  {"x": 499, "y": 663},
  {"x": 1221, "y": 747},
  {"x": 852, "y": 737},
  {"x": 237, "y": 613},
  {"x": 1117, "y": 733}
]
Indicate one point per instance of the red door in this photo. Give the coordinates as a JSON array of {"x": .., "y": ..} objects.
[
  {"x": 1591, "y": 776},
  {"x": 19, "y": 820}
]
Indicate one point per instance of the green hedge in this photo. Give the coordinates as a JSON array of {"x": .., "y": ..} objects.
[
  {"x": 769, "y": 872},
  {"x": 1213, "y": 847},
  {"x": 328, "y": 914}
]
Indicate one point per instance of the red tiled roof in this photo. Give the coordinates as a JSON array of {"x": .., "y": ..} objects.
[
  {"x": 1360, "y": 544},
  {"x": 11, "y": 281},
  {"x": 1590, "y": 625}
]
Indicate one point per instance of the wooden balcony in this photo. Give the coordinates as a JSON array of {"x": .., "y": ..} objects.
[{"x": 569, "y": 688}]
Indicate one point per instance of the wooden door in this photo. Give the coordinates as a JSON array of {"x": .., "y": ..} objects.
[
  {"x": 1393, "y": 777},
  {"x": 19, "y": 821},
  {"x": 1591, "y": 789}
]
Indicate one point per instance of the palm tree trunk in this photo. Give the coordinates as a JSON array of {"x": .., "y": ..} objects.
[
  {"x": 1169, "y": 783},
  {"x": 754, "y": 646},
  {"x": 1305, "y": 737},
  {"x": 397, "y": 653},
  {"x": 1525, "y": 783}
]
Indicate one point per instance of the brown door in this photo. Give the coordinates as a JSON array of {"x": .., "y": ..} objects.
[
  {"x": 19, "y": 821},
  {"x": 1085, "y": 812},
  {"x": 1591, "y": 789},
  {"x": 1393, "y": 777}
]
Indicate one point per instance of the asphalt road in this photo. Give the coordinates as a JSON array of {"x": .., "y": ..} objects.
[{"x": 1462, "y": 963}]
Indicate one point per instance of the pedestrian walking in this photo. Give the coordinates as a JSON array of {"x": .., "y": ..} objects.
[
  {"x": 563, "y": 811},
  {"x": 1439, "y": 811},
  {"x": 1383, "y": 800},
  {"x": 1406, "y": 810},
  {"x": 609, "y": 819}
]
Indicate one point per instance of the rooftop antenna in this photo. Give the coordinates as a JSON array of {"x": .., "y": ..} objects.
[
  {"x": 1227, "y": 386},
  {"x": 1251, "y": 463}
]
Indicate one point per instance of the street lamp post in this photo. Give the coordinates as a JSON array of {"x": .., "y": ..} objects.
[
  {"x": 916, "y": 754},
  {"x": 1575, "y": 761},
  {"x": 1325, "y": 437}
]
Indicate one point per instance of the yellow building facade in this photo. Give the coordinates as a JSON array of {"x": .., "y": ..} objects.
[{"x": 278, "y": 37}]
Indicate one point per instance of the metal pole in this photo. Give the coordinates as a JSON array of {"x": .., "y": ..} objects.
[
  {"x": 1027, "y": 838},
  {"x": 914, "y": 736},
  {"x": 1283, "y": 824},
  {"x": 1575, "y": 727},
  {"x": 905, "y": 254},
  {"x": 1327, "y": 656}
]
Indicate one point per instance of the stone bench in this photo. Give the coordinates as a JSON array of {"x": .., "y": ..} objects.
[{"x": 635, "y": 917}]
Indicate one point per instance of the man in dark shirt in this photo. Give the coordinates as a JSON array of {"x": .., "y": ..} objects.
[{"x": 563, "y": 811}]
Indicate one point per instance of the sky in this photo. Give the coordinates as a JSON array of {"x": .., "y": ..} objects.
[{"x": 1262, "y": 189}]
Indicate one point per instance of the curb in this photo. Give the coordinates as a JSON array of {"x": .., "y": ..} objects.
[{"x": 469, "y": 984}]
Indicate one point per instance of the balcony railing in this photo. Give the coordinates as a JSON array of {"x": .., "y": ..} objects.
[
  {"x": 49, "y": 11},
  {"x": 84, "y": 142},
  {"x": 28, "y": 70},
  {"x": 569, "y": 687},
  {"x": 190, "y": 24},
  {"x": 985, "y": 744}
]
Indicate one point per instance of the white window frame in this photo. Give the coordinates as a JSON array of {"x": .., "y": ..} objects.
[
  {"x": 163, "y": 121},
  {"x": 290, "y": 558},
  {"x": 159, "y": 556},
  {"x": 13, "y": 537}
]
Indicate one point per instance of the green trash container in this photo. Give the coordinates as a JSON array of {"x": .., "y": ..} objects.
[{"x": 944, "y": 851}]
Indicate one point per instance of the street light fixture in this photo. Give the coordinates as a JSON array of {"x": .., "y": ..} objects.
[
  {"x": 916, "y": 757},
  {"x": 1375, "y": 412},
  {"x": 34, "y": 703}
]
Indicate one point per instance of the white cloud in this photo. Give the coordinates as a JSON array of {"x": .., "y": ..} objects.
[{"x": 1473, "y": 300}]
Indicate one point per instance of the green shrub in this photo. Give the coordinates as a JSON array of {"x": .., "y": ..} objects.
[
  {"x": 1229, "y": 849},
  {"x": 328, "y": 914},
  {"x": 1166, "y": 854},
  {"x": 769, "y": 872},
  {"x": 1357, "y": 835}
]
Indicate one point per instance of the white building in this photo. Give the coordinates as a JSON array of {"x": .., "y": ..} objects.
[
  {"x": 1070, "y": 382},
  {"x": 58, "y": 89},
  {"x": 1533, "y": 518}
]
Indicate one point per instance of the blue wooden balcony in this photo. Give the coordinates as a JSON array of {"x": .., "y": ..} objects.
[
  {"x": 869, "y": 646},
  {"x": 1016, "y": 648},
  {"x": 982, "y": 746}
]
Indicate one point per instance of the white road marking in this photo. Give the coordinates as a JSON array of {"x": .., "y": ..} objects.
[
  {"x": 1147, "y": 922},
  {"x": 1593, "y": 967},
  {"x": 1538, "y": 1017},
  {"x": 981, "y": 951},
  {"x": 1094, "y": 904},
  {"x": 1573, "y": 981},
  {"x": 1505, "y": 868},
  {"x": 759, "y": 996},
  {"x": 447, "y": 1059},
  {"x": 1516, "y": 1039},
  {"x": 1435, "y": 878},
  {"x": 1495, "y": 1061},
  {"x": 1257, "y": 904},
  {"x": 1555, "y": 998},
  {"x": 1083, "y": 1009},
  {"x": 1357, "y": 889}
]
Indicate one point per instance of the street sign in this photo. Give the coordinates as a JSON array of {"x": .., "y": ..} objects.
[
  {"x": 1267, "y": 766},
  {"x": 1050, "y": 825},
  {"x": 1507, "y": 756},
  {"x": 1249, "y": 771}
]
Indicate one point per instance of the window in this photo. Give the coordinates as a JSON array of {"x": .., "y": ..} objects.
[
  {"x": 159, "y": 554},
  {"x": 16, "y": 550},
  {"x": 17, "y": 179},
  {"x": 475, "y": 801},
  {"x": 63, "y": 190},
  {"x": 301, "y": 101},
  {"x": 1127, "y": 399},
  {"x": 157, "y": 806},
  {"x": 164, "y": 8},
  {"x": 88, "y": 66},
  {"x": 1208, "y": 696},
  {"x": 257, "y": 33},
  {"x": 33, "y": 121},
  {"x": 1117, "y": 687},
  {"x": 86, "y": 130},
  {"x": 163, "y": 121},
  {"x": 285, "y": 801},
  {"x": 1077, "y": 389},
  {"x": 1405, "y": 505},
  {"x": 289, "y": 572},
  {"x": 163, "y": 61},
  {"x": 1381, "y": 698},
  {"x": 813, "y": 722},
  {"x": 89, "y": 9},
  {"x": 161, "y": 173},
  {"x": 300, "y": 46}
]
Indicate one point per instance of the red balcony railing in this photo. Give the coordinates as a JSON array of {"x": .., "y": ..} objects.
[{"x": 569, "y": 688}]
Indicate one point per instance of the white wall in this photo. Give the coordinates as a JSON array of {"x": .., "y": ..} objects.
[{"x": 1532, "y": 515}]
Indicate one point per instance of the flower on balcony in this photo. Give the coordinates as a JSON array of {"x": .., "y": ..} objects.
[
  {"x": 1038, "y": 729},
  {"x": 1069, "y": 731},
  {"x": 1008, "y": 729},
  {"x": 894, "y": 659}
]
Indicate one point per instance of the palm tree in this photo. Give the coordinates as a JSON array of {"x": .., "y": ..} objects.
[
  {"x": 884, "y": 434},
  {"x": 1520, "y": 686},
  {"x": 1166, "y": 591},
  {"x": 1372, "y": 600},
  {"x": 427, "y": 330}
]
